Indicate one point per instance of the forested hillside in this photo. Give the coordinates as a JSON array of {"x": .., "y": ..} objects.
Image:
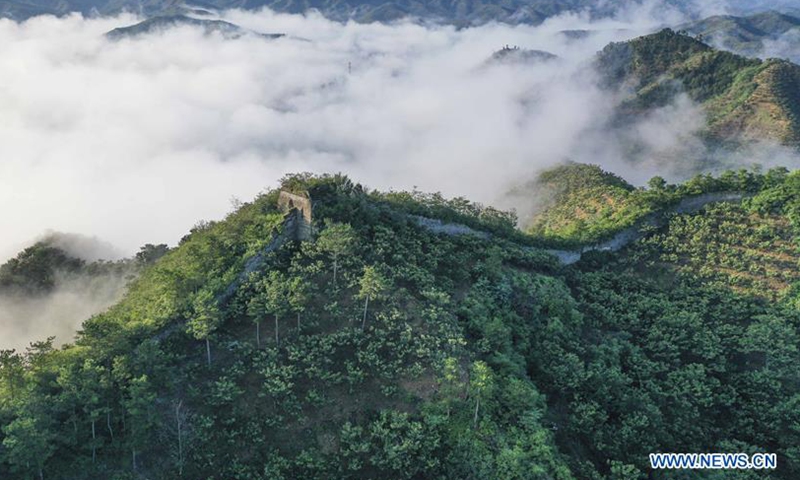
[
  {"x": 587, "y": 205},
  {"x": 744, "y": 99},
  {"x": 383, "y": 349},
  {"x": 584, "y": 204}
]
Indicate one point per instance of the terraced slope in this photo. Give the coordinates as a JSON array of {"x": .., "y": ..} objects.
[{"x": 727, "y": 245}]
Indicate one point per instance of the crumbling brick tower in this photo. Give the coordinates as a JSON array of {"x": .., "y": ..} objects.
[{"x": 299, "y": 214}]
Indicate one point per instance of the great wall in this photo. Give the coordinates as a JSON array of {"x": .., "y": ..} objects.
[
  {"x": 618, "y": 241},
  {"x": 298, "y": 226}
]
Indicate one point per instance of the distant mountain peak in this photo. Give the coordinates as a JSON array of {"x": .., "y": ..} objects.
[
  {"x": 748, "y": 35},
  {"x": 744, "y": 99},
  {"x": 161, "y": 23},
  {"x": 514, "y": 54}
]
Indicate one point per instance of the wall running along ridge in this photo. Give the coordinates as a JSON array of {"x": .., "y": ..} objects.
[{"x": 619, "y": 240}]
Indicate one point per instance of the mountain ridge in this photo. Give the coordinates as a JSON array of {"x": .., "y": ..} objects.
[
  {"x": 744, "y": 99},
  {"x": 463, "y": 355},
  {"x": 161, "y": 23},
  {"x": 766, "y": 34}
]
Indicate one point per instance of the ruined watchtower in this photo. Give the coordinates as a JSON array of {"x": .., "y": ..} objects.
[{"x": 298, "y": 208}]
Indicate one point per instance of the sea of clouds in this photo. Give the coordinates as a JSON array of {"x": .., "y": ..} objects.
[{"x": 137, "y": 139}]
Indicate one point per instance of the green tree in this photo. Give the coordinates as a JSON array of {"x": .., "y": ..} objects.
[
  {"x": 149, "y": 253},
  {"x": 451, "y": 385},
  {"x": 91, "y": 382},
  {"x": 337, "y": 240},
  {"x": 138, "y": 404},
  {"x": 657, "y": 183},
  {"x": 298, "y": 295},
  {"x": 776, "y": 339},
  {"x": 28, "y": 445},
  {"x": 206, "y": 319},
  {"x": 84, "y": 386},
  {"x": 11, "y": 372},
  {"x": 481, "y": 384},
  {"x": 372, "y": 284},
  {"x": 257, "y": 309},
  {"x": 271, "y": 297}
]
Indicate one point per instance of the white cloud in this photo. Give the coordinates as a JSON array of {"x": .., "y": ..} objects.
[
  {"x": 785, "y": 46},
  {"x": 59, "y": 313},
  {"x": 136, "y": 140}
]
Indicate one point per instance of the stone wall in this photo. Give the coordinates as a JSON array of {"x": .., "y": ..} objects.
[
  {"x": 288, "y": 201},
  {"x": 622, "y": 238},
  {"x": 300, "y": 229}
]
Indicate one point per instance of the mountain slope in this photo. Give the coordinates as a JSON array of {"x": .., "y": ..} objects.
[
  {"x": 586, "y": 204},
  {"x": 331, "y": 365},
  {"x": 385, "y": 348},
  {"x": 744, "y": 99},
  {"x": 60, "y": 258},
  {"x": 744, "y": 35}
]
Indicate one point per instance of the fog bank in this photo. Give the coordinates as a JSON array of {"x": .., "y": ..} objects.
[
  {"x": 24, "y": 319},
  {"x": 136, "y": 140}
]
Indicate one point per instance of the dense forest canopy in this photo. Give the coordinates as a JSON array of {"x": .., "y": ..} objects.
[{"x": 383, "y": 349}]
